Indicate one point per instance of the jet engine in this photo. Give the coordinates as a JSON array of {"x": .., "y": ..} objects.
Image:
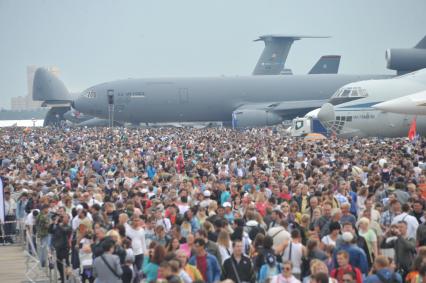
[
  {"x": 406, "y": 60},
  {"x": 254, "y": 118}
]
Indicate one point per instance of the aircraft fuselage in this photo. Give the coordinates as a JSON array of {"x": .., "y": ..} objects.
[{"x": 204, "y": 99}]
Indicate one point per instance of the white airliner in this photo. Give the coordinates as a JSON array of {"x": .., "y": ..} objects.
[
  {"x": 410, "y": 104},
  {"x": 355, "y": 115}
]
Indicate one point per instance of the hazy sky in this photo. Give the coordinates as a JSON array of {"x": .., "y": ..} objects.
[{"x": 93, "y": 41}]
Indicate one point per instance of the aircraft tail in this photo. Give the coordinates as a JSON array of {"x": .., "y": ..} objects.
[
  {"x": 328, "y": 64},
  {"x": 274, "y": 55},
  {"x": 49, "y": 88}
]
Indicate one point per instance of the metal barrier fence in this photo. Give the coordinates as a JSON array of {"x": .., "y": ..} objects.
[
  {"x": 12, "y": 232},
  {"x": 15, "y": 232},
  {"x": 36, "y": 272}
]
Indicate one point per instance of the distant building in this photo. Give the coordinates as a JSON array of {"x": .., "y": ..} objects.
[{"x": 26, "y": 102}]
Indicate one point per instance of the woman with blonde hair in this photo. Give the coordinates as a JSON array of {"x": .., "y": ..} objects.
[
  {"x": 188, "y": 247},
  {"x": 224, "y": 244},
  {"x": 318, "y": 266},
  {"x": 115, "y": 236},
  {"x": 258, "y": 217},
  {"x": 370, "y": 237},
  {"x": 212, "y": 208}
]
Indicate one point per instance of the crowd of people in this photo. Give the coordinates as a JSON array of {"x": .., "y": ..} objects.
[{"x": 214, "y": 204}]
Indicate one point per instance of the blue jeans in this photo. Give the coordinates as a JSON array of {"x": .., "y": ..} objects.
[{"x": 42, "y": 253}]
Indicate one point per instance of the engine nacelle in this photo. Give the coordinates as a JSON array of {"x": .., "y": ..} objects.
[
  {"x": 406, "y": 60},
  {"x": 254, "y": 118}
]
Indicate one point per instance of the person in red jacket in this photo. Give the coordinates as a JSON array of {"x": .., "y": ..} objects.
[{"x": 344, "y": 267}]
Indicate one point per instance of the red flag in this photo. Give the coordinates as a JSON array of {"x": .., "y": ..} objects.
[{"x": 412, "y": 130}]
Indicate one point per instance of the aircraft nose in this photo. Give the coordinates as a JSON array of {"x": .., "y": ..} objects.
[{"x": 326, "y": 113}]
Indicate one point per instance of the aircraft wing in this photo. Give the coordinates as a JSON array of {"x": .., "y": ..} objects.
[
  {"x": 408, "y": 104},
  {"x": 272, "y": 113}
]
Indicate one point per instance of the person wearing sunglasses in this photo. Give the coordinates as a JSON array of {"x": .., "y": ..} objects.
[{"x": 286, "y": 276}]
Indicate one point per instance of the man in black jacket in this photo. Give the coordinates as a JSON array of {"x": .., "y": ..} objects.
[
  {"x": 405, "y": 247},
  {"x": 238, "y": 267},
  {"x": 61, "y": 241}
]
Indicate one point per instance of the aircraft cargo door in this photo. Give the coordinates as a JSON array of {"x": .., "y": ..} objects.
[{"x": 122, "y": 101}]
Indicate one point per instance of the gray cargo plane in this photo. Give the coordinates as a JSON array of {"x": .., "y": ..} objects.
[
  {"x": 248, "y": 101},
  {"x": 271, "y": 62}
]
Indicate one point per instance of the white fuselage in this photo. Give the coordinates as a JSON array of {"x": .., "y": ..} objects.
[{"x": 359, "y": 118}]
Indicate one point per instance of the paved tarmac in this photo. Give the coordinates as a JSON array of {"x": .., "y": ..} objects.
[{"x": 12, "y": 264}]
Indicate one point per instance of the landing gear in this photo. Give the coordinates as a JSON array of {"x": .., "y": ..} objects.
[{"x": 55, "y": 116}]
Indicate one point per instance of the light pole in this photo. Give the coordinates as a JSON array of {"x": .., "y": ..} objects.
[{"x": 110, "y": 95}]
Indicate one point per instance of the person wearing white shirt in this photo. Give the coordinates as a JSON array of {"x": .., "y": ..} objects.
[
  {"x": 81, "y": 214},
  {"x": 162, "y": 221},
  {"x": 412, "y": 223},
  {"x": 29, "y": 224},
  {"x": 293, "y": 253},
  {"x": 183, "y": 205},
  {"x": 137, "y": 234}
]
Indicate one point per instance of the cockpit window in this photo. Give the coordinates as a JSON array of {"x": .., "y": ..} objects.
[
  {"x": 354, "y": 92},
  {"x": 350, "y": 92},
  {"x": 345, "y": 93}
]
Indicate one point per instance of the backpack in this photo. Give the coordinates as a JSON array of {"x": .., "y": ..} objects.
[
  {"x": 271, "y": 270},
  {"x": 393, "y": 278},
  {"x": 254, "y": 231},
  {"x": 306, "y": 266}
]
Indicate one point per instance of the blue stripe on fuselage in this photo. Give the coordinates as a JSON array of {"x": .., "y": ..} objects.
[{"x": 362, "y": 105}]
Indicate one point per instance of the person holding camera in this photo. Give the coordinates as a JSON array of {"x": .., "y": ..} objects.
[
  {"x": 62, "y": 231},
  {"x": 404, "y": 246}
]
